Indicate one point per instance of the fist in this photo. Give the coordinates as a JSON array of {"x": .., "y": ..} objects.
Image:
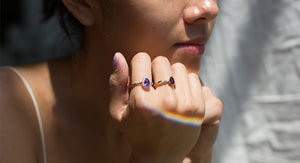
[{"x": 162, "y": 123}]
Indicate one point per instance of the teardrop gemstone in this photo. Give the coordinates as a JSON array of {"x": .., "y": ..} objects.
[
  {"x": 146, "y": 82},
  {"x": 171, "y": 81}
]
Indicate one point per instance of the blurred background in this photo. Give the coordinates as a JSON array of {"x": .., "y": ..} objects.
[{"x": 252, "y": 64}]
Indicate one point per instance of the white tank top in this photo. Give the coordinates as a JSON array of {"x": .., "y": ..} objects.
[{"x": 36, "y": 110}]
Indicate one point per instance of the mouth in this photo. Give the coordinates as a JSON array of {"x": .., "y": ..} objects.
[{"x": 195, "y": 47}]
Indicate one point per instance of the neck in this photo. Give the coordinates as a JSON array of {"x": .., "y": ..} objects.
[{"x": 81, "y": 86}]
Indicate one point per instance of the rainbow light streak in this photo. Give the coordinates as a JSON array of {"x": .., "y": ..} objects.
[{"x": 192, "y": 121}]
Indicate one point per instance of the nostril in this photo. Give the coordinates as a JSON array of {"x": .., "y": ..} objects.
[{"x": 201, "y": 19}]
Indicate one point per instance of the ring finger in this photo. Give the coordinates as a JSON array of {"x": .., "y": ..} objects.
[{"x": 183, "y": 90}]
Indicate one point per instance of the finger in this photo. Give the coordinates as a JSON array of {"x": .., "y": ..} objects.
[
  {"x": 209, "y": 131},
  {"x": 119, "y": 86},
  {"x": 182, "y": 91},
  {"x": 196, "y": 90},
  {"x": 161, "y": 71},
  {"x": 204, "y": 145},
  {"x": 141, "y": 68},
  {"x": 214, "y": 107},
  {"x": 210, "y": 126}
]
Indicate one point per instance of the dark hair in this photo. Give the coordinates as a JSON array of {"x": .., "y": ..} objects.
[{"x": 67, "y": 21}]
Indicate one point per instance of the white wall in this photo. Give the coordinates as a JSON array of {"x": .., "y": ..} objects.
[{"x": 253, "y": 65}]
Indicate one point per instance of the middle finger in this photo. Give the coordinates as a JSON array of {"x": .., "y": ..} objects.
[{"x": 161, "y": 70}]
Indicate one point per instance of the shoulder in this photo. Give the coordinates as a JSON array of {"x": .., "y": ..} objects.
[
  {"x": 18, "y": 125},
  {"x": 13, "y": 93}
]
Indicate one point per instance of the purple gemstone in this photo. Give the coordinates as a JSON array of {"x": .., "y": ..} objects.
[
  {"x": 171, "y": 80},
  {"x": 146, "y": 82}
]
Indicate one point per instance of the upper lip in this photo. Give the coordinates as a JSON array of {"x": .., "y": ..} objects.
[{"x": 196, "y": 41}]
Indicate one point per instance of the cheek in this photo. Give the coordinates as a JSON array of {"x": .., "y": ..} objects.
[{"x": 143, "y": 28}]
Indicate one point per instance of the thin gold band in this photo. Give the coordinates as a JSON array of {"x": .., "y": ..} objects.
[
  {"x": 145, "y": 83},
  {"x": 136, "y": 84},
  {"x": 160, "y": 83},
  {"x": 170, "y": 82}
]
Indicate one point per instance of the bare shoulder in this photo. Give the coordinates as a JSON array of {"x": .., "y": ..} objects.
[{"x": 19, "y": 132}]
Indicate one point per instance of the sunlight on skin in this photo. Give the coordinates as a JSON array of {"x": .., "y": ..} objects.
[
  {"x": 196, "y": 11},
  {"x": 207, "y": 4}
]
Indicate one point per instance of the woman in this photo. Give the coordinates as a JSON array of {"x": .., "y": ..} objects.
[{"x": 78, "y": 109}]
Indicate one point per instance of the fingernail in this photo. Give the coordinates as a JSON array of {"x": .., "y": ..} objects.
[{"x": 115, "y": 62}]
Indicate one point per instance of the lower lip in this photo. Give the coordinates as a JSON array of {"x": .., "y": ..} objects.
[{"x": 191, "y": 49}]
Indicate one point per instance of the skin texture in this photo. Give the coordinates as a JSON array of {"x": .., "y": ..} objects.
[{"x": 88, "y": 111}]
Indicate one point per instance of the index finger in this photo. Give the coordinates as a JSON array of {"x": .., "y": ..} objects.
[{"x": 140, "y": 69}]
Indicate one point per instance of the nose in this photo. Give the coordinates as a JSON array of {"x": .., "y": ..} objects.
[{"x": 200, "y": 11}]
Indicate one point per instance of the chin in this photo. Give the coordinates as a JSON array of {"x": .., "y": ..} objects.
[{"x": 191, "y": 63}]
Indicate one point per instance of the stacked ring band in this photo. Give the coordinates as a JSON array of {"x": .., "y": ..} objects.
[
  {"x": 145, "y": 83},
  {"x": 170, "y": 82}
]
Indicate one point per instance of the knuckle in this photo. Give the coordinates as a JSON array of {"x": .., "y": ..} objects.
[
  {"x": 113, "y": 81},
  {"x": 200, "y": 110},
  {"x": 218, "y": 103},
  {"x": 185, "y": 103},
  {"x": 191, "y": 108},
  {"x": 169, "y": 103},
  {"x": 116, "y": 81},
  {"x": 217, "y": 107},
  {"x": 215, "y": 103},
  {"x": 206, "y": 90}
]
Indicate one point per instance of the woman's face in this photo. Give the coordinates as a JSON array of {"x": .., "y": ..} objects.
[{"x": 177, "y": 29}]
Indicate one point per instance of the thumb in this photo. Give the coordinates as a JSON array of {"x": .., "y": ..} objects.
[{"x": 119, "y": 90}]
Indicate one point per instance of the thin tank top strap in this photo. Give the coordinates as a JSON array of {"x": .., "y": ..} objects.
[{"x": 37, "y": 110}]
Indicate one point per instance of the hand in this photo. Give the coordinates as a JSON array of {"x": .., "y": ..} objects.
[
  {"x": 162, "y": 124},
  {"x": 203, "y": 150}
]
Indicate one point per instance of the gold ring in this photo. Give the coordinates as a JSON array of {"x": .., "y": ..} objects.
[
  {"x": 170, "y": 82},
  {"x": 145, "y": 83}
]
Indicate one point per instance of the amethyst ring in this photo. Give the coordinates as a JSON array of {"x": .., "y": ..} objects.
[
  {"x": 145, "y": 83},
  {"x": 170, "y": 82}
]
